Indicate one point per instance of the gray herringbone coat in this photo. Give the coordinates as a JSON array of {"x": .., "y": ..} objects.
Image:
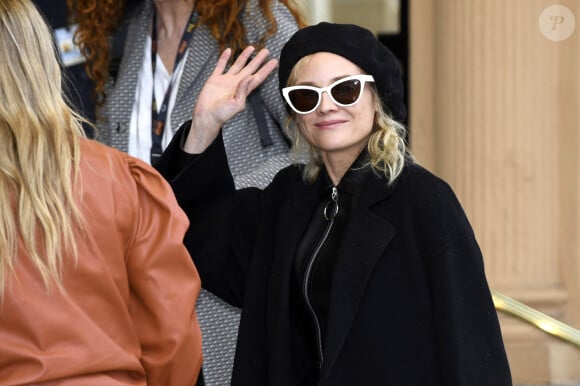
[{"x": 250, "y": 162}]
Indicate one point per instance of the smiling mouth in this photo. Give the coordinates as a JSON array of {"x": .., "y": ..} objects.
[{"x": 326, "y": 124}]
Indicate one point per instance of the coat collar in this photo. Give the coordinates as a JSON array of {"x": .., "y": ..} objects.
[
  {"x": 203, "y": 48},
  {"x": 294, "y": 217},
  {"x": 365, "y": 241}
]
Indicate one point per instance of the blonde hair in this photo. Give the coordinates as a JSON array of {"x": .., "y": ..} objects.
[
  {"x": 386, "y": 146},
  {"x": 39, "y": 144}
]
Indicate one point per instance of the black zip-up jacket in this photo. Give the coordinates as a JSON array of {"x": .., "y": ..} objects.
[{"x": 409, "y": 304}]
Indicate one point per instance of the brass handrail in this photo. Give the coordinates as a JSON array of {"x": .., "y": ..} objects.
[{"x": 542, "y": 321}]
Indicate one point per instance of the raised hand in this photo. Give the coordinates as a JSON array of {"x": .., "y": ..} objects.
[{"x": 224, "y": 95}]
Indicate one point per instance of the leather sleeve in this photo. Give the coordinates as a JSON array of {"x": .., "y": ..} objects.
[{"x": 164, "y": 284}]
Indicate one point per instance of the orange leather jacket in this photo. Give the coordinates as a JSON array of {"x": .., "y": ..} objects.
[{"x": 126, "y": 313}]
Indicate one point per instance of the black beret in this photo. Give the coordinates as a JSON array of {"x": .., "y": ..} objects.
[{"x": 356, "y": 44}]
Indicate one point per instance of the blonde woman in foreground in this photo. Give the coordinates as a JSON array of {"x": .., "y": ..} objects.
[{"x": 96, "y": 287}]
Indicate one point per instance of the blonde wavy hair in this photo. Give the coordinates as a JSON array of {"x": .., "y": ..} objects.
[
  {"x": 39, "y": 144},
  {"x": 98, "y": 19},
  {"x": 386, "y": 146}
]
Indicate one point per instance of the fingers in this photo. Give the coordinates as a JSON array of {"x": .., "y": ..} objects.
[
  {"x": 249, "y": 83},
  {"x": 242, "y": 59},
  {"x": 257, "y": 61},
  {"x": 243, "y": 90},
  {"x": 260, "y": 75},
  {"x": 222, "y": 61},
  {"x": 241, "y": 65}
]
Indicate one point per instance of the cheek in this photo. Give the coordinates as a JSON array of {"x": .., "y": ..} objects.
[
  {"x": 303, "y": 127},
  {"x": 370, "y": 119},
  {"x": 367, "y": 116},
  {"x": 365, "y": 119}
]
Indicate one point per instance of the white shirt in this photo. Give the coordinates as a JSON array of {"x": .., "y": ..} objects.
[{"x": 140, "y": 127}]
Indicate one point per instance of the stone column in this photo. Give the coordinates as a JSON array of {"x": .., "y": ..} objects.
[{"x": 495, "y": 110}]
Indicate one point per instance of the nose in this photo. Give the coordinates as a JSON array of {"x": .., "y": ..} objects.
[{"x": 326, "y": 102}]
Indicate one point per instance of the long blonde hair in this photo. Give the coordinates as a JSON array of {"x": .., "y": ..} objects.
[
  {"x": 39, "y": 148},
  {"x": 386, "y": 146}
]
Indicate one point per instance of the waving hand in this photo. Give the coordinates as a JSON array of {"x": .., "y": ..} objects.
[{"x": 224, "y": 95}]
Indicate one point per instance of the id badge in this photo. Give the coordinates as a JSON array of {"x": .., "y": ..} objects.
[{"x": 70, "y": 53}]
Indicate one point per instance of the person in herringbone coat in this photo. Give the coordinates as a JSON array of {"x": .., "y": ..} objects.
[{"x": 256, "y": 145}]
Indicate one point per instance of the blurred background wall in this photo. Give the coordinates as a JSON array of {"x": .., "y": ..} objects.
[{"x": 494, "y": 102}]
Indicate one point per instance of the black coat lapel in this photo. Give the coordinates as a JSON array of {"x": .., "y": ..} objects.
[
  {"x": 365, "y": 241},
  {"x": 291, "y": 224},
  {"x": 202, "y": 52}
]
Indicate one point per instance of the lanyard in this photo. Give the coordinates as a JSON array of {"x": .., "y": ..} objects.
[{"x": 159, "y": 116}]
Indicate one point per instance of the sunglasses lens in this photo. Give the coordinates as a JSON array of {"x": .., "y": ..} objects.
[
  {"x": 303, "y": 100},
  {"x": 346, "y": 92}
]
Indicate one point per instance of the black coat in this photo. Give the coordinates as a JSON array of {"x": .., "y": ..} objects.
[{"x": 410, "y": 303}]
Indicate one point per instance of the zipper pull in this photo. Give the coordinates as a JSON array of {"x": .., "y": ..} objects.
[
  {"x": 334, "y": 194},
  {"x": 334, "y": 203}
]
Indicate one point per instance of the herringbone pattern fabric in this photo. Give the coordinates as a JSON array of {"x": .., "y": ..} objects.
[{"x": 250, "y": 163}]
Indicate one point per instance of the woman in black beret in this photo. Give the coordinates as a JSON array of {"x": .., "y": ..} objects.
[{"x": 357, "y": 267}]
